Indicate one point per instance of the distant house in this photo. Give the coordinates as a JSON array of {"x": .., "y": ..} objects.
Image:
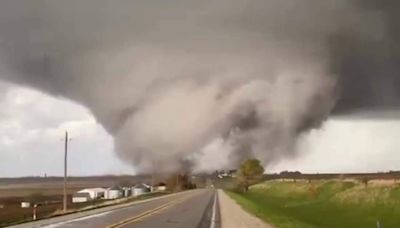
[
  {"x": 114, "y": 192},
  {"x": 95, "y": 193},
  {"x": 81, "y": 197},
  {"x": 140, "y": 189},
  {"x": 226, "y": 173}
]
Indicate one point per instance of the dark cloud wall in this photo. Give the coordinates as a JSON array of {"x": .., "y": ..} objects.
[
  {"x": 167, "y": 78},
  {"x": 368, "y": 61}
]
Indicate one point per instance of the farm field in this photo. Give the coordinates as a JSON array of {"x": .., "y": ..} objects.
[
  {"x": 20, "y": 187},
  {"x": 329, "y": 203},
  {"x": 48, "y": 191}
]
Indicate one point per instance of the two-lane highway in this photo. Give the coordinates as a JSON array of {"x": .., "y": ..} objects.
[
  {"x": 197, "y": 209},
  {"x": 190, "y": 211}
]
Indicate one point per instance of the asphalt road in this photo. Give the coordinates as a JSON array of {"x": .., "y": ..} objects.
[{"x": 197, "y": 209}]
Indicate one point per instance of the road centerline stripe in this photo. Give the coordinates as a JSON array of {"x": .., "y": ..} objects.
[{"x": 148, "y": 213}]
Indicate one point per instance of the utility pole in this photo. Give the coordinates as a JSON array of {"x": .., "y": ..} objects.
[
  {"x": 152, "y": 173},
  {"x": 65, "y": 172}
]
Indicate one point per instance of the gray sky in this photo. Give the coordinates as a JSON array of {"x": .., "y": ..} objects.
[{"x": 32, "y": 126}]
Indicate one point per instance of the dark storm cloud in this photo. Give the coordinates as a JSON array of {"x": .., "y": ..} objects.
[
  {"x": 369, "y": 64},
  {"x": 166, "y": 78}
]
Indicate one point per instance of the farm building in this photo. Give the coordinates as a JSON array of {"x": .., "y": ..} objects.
[
  {"x": 25, "y": 204},
  {"x": 114, "y": 192},
  {"x": 81, "y": 197},
  {"x": 159, "y": 187},
  {"x": 140, "y": 189},
  {"x": 94, "y": 193},
  {"x": 127, "y": 191}
]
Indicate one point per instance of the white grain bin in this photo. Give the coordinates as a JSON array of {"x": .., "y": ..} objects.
[
  {"x": 114, "y": 193},
  {"x": 140, "y": 189},
  {"x": 25, "y": 204}
]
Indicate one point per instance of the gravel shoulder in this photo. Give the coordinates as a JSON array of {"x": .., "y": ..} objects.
[{"x": 233, "y": 216}]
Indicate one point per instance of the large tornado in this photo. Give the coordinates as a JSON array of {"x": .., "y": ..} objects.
[{"x": 179, "y": 83}]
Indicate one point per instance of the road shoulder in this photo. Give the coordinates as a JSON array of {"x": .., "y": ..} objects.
[{"x": 233, "y": 216}]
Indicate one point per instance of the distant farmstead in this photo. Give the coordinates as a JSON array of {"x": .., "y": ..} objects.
[{"x": 116, "y": 192}]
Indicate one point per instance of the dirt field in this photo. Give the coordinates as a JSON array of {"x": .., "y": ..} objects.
[
  {"x": 22, "y": 187},
  {"x": 48, "y": 192}
]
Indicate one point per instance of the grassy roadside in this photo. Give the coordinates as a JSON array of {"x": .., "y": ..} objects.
[
  {"x": 323, "y": 204},
  {"x": 266, "y": 213}
]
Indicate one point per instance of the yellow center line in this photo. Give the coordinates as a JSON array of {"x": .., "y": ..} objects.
[{"x": 147, "y": 213}]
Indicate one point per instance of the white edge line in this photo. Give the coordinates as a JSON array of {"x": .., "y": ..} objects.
[
  {"x": 214, "y": 212},
  {"x": 75, "y": 220}
]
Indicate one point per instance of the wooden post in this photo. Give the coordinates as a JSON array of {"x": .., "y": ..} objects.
[{"x": 34, "y": 212}]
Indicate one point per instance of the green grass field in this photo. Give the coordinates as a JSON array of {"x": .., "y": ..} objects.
[{"x": 338, "y": 204}]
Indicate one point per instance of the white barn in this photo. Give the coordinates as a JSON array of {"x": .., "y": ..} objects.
[
  {"x": 94, "y": 193},
  {"x": 81, "y": 197},
  {"x": 160, "y": 187}
]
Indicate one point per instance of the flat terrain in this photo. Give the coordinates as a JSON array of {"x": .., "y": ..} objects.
[
  {"x": 181, "y": 210},
  {"x": 21, "y": 187},
  {"x": 48, "y": 192},
  {"x": 336, "y": 204}
]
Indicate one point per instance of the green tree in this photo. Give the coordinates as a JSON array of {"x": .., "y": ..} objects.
[{"x": 249, "y": 173}]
